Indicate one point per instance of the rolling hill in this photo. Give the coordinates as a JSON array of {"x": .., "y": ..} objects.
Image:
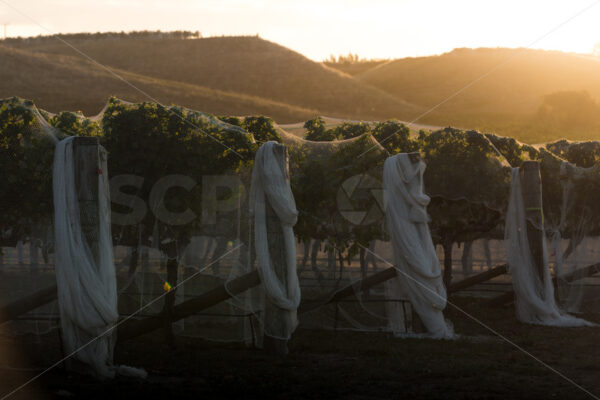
[
  {"x": 515, "y": 87},
  {"x": 499, "y": 90},
  {"x": 57, "y": 83},
  {"x": 244, "y": 65},
  {"x": 532, "y": 95}
]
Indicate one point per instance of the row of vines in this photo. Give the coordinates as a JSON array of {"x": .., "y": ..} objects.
[{"x": 467, "y": 175}]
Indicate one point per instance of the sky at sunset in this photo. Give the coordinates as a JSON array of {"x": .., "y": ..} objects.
[{"x": 370, "y": 28}]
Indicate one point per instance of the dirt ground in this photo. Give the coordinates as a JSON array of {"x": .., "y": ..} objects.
[{"x": 326, "y": 364}]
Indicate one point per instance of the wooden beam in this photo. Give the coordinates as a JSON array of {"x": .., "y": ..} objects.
[
  {"x": 479, "y": 278},
  {"x": 132, "y": 328},
  {"x": 531, "y": 189},
  {"x": 580, "y": 273},
  {"x": 390, "y": 273}
]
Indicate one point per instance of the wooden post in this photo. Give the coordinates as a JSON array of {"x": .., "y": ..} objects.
[
  {"x": 531, "y": 188},
  {"x": 277, "y": 252},
  {"x": 85, "y": 157},
  {"x": 86, "y": 153}
]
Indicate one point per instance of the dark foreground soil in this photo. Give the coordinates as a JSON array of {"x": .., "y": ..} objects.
[{"x": 324, "y": 365}]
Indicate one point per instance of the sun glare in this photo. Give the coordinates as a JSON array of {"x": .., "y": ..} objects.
[{"x": 372, "y": 29}]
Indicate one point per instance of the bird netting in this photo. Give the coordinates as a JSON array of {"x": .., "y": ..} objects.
[
  {"x": 184, "y": 240},
  {"x": 534, "y": 292},
  {"x": 419, "y": 276},
  {"x": 574, "y": 231},
  {"x": 85, "y": 270},
  {"x": 273, "y": 207},
  {"x": 568, "y": 219}
]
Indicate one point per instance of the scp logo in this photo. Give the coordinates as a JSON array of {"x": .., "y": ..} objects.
[
  {"x": 212, "y": 202},
  {"x": 360, "y": 200}
]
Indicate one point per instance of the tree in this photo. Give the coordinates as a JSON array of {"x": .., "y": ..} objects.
[
  {"x": 261, "y": 128},
  {"x": 348, "y": 130},
  {"x": 316, "y": 131},
  {"x": 394, "y": 137},
  {"x": 569, "y": 108},
  {"x": 469, "y": 187},
  {"x": 181, "y": 142}
]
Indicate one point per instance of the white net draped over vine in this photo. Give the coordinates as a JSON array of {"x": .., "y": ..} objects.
[
  {"x": 87, "y": 290},
  {"x": 272, "y": 203},
  {"x": 534, "y": 294},
  {"x": 338, "y": 192},
  {"x": 574, "y": 235},
  {"x": 419, "y": 275},
  {"x": 339, "y": 238}
]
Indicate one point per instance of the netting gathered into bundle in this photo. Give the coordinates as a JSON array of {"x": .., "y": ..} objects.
[
  {"x": 271, "y": 189},
  {"x": 419, "y": 276},
  {"x": 534, "y": 295},
  {"x": 87, "y": 290}
]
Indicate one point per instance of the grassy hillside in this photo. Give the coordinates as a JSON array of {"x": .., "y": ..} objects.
[
  {"x": 58, "y": 83},
  {"x": 247, "y": 65},
  {"x": 534, "y": 95},
  {"x": 515, "y": 87},
  {"x": 507, "y": 100}
]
